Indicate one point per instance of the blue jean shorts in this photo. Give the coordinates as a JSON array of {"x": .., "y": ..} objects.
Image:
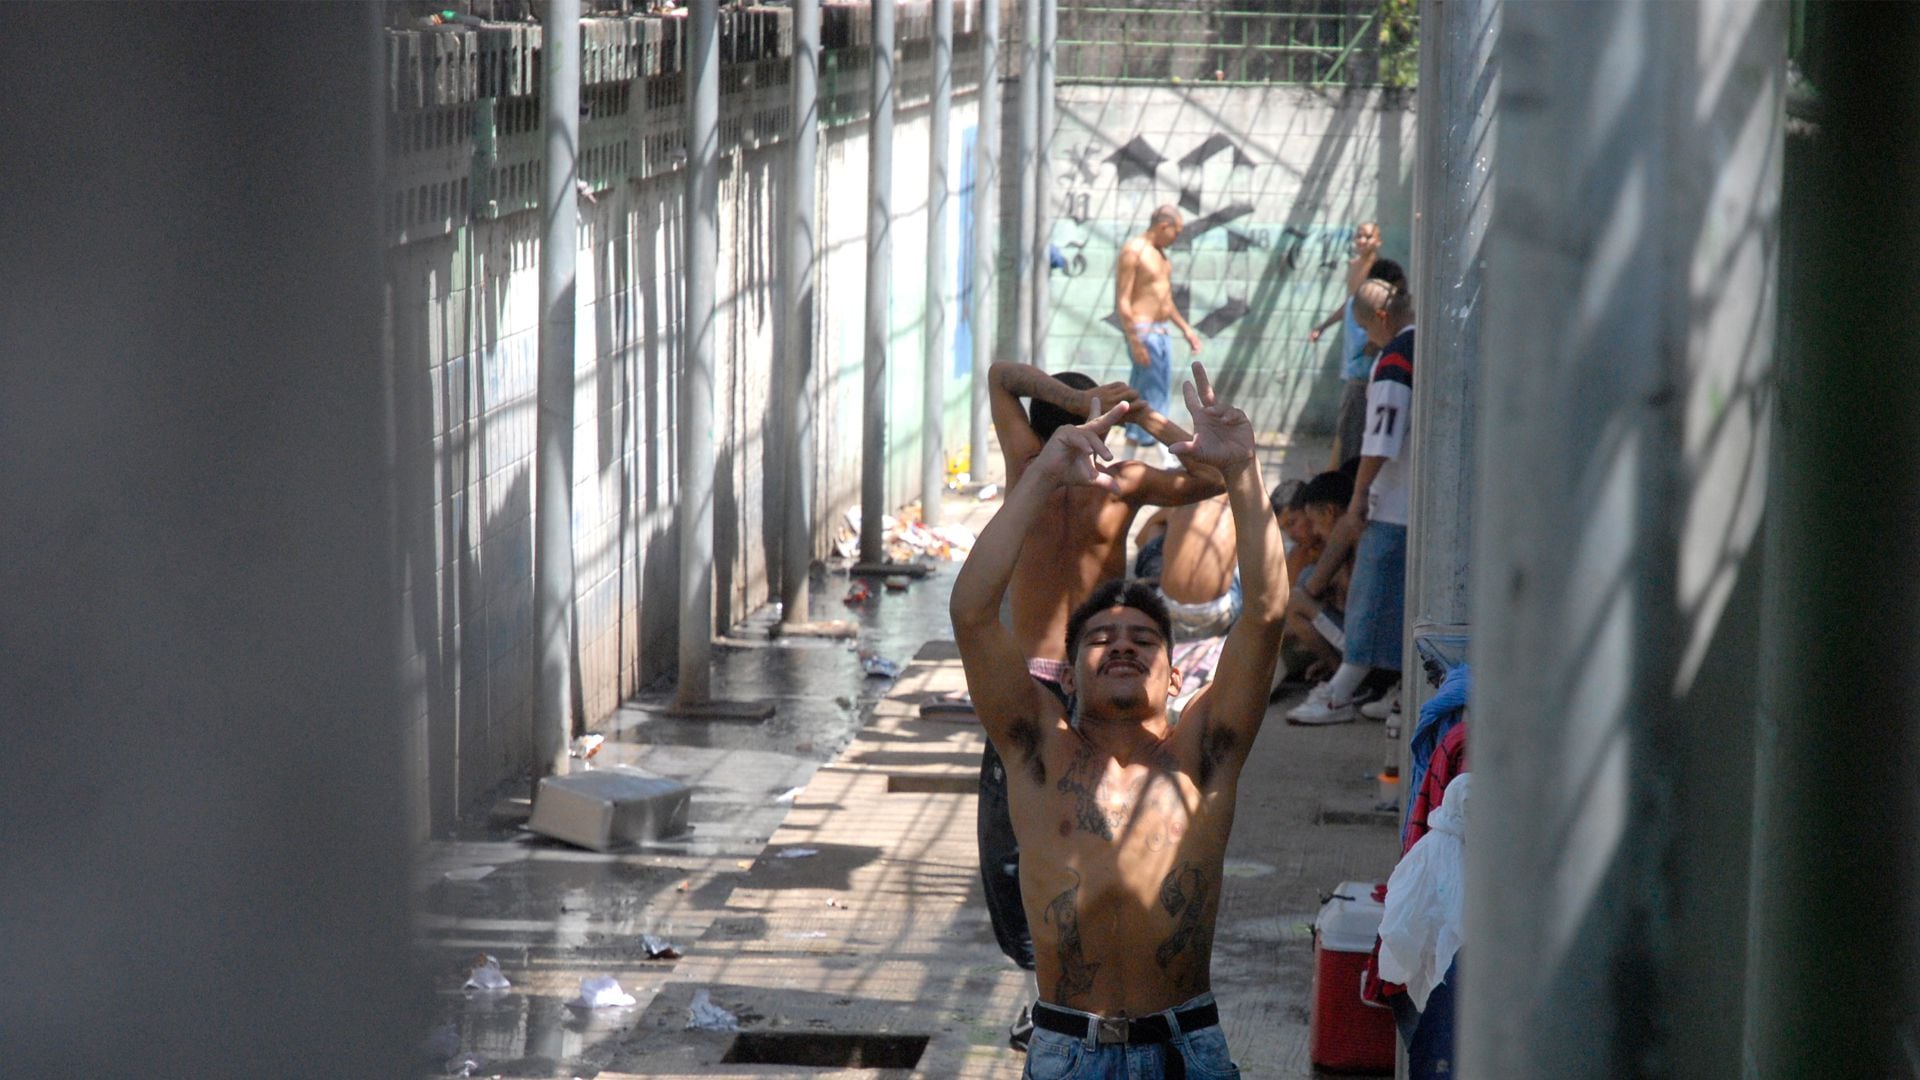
[
  {"x": 1155, "y": 381},
  {"x": 1053, "y": 1056},
  {"x": 1377, "y": 597}
]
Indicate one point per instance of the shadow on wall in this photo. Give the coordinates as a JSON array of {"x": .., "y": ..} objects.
[
  {"x": 464, "y": 415},
  {"x": 1650, "y": 463}
]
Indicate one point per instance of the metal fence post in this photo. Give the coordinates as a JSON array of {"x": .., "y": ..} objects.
[
  {"x": 700, "y": 350},
  {"x": 797, "y": 383},
  {"x": 873, "y": 457},
  {"x": 933, "y": 459},
  {"x": 986, "y": 231},
  {"x": 553, "y": 487}
]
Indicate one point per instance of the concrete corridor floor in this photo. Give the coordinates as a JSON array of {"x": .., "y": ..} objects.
[{"x": 882, "y": 929}]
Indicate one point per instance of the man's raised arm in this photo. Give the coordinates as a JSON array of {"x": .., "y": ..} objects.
[
  {"x": 1003, "y": 696},
  {"x": 1235, "y": 702}
]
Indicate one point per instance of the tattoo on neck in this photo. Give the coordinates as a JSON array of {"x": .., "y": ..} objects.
[{"x": 1076, "y": 971}]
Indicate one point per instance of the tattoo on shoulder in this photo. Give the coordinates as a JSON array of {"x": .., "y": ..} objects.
[
  {"x": 1184, "y": 894},
  {"x": 1076, "y": 971}
]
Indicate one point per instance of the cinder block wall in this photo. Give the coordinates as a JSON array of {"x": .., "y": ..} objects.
[
  {"x": 463, "y": 287},
  {"x": 1278, "y": 176}
]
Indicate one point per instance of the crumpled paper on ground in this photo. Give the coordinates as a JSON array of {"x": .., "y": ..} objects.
[
  {"x": 659, "y": 948},
  {"x": 601, "y": 992},
  {"x": 704, "y": 1015}
]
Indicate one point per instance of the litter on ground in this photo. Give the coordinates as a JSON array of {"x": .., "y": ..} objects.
[
  {"x": 486, "y": 976},
  {"x": 704, "y": 1015},
  {"x": 601, "y": 992}
]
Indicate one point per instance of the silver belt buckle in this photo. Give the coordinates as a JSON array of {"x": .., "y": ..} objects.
[{"x": 1112, "y": 1029}]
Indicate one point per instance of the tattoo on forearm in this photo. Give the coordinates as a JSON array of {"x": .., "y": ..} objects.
[
  {"x": 1076, "y": 971},
  {"x": 1184, "y": 894}
]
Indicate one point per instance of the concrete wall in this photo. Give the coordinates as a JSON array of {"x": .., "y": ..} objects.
[
  {"x": 463, "y": 287},
  {"x": 1271, "y": 181}
]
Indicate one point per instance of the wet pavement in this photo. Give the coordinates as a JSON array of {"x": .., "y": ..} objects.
[{"x": 553, "y": 914}]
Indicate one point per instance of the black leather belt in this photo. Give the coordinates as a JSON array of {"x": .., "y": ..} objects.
[{"x": 1135, "y": 1031}]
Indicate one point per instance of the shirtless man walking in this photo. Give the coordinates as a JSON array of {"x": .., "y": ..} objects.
[
  {"x": 1143, "y": 301},
  {"x": 1081, "y": 540},
  {"x": 1123, "y": 817}
]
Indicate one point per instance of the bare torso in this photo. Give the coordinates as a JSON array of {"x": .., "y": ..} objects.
[
  {"x": 1078, "y": 542},
  {"x": 1152, "y": 292},
  {"x": 1120, "y": 868},
  {"x": 1199, "y": 559}
]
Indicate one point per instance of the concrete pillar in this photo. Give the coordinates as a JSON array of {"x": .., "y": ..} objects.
[
  {"x": 205, "y": 784},
  {"x": 1832, "y": 965},
  {"x": 873, "y": 442},
  {"x": 797, "y": 383},
  {"x": 1454, "y": 190},
  {"x": 939, "y": 331},
  {"x": 699, "y": 352},
  {"x": 1026, "y": 147},
  {"x": 986, "y": 230},
  {"x": 553, "y": 579},
  {"x": 1040, "y": 284},
  {"x": 1621, "y": 472}
]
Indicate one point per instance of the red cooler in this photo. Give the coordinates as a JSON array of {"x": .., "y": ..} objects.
[{"x": 1346, "y": 1033}]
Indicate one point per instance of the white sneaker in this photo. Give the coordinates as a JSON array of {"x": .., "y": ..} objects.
[
  {"x": 1317, "y": 713},
  {"x": 1382, "y": 708},
  {"x": 1316, "y": 707},
  {"x": 1317, "y": 695}
]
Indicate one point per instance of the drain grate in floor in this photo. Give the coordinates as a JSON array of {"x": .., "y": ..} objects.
[
  {"x": 932, "y": 784},
  {"x": 826, "y": 1050}
]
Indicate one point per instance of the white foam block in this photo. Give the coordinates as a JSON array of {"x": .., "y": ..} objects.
[{"x": 610, "y": 807}]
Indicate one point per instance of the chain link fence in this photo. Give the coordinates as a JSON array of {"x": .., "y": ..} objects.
[{"x": 1296, "y": 42}]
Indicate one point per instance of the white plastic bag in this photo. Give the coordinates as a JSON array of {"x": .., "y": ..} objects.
[
  {"x": 1420, "y": 932},
  {"x": 486, "y": 976},
  {"x": 601, "y": 992},
  {"x": 704, "y": 1015}
]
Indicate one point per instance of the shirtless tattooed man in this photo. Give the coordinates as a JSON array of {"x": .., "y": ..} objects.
[
  {"x": 1123, "y": 818},
  {"x": 1080, "y": 540},
  {"x": 1143, "y": 302}
]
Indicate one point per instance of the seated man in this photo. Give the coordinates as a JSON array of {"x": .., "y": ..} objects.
[
  {"x": 1316, "y": 623},
  {"x": 1123, "y": 818},
  {"x": 1286, "y": 504}
]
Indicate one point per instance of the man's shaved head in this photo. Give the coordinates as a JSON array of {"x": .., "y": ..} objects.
[
  {"x": 1376, "y": 295},
  {"x": 1164, "y": 214}
]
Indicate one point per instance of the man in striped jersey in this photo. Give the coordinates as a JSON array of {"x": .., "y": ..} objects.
[{"x": 1376, "y": 599}]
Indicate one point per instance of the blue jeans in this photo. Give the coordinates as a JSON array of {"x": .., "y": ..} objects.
[
  {"x": 1053, "y": 1056},
  {"x": 1377, "y": 597},
  {"x": 1155, "y": 380}
]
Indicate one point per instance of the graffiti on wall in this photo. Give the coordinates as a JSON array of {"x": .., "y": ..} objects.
[{"x": 1235, "y": 235}]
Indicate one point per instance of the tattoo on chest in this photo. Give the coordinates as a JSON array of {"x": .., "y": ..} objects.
[
  {"x": 1076, "y": 971},
  {"x": 1095, "y": 809},
  {"x": 1104, "y": 807},
  {"x": 1184, "y": 894}
]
